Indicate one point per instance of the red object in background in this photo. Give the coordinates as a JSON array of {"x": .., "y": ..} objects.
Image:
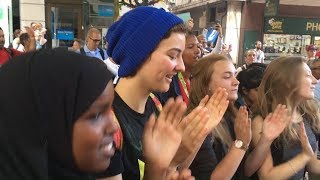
[
  {"x": 318, "y": 54},
  {"x": 5, "y": 55}
]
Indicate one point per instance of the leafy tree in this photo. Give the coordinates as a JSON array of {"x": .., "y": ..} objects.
[{"x": 136, "y": 3}]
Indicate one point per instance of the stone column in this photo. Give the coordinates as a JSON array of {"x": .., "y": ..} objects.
[
  {"x": 232, "y": 35},
  {"x": 32, "y": 11}
]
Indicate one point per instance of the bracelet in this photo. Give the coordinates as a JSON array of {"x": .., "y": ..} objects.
[{"x": 295, "y": 172}]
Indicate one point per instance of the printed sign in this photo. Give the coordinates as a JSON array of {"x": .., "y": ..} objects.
[
  {"x": 105, "y": 10},
  {"x": 65, "y": 34},
  {"x": 284, "y": 25}
]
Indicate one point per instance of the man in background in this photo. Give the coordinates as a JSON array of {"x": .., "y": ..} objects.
[
  {"x": 28, "y": 40},
  {"x": 259, "y": 53},
  {"x": 77, "y": 45},
  {"x": 315, "y": 68},
  {"x": 91, "y": 48},
  {"x": 6, "y": 53},
  {"x": 250, "y": 57},
  {"x": 311, "y": 53}
]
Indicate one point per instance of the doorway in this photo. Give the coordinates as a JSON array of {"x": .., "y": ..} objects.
[{"x": 64, "y": 24}]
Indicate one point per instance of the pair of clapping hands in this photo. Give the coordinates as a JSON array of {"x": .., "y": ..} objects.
[{"x": 173, "y": 137}]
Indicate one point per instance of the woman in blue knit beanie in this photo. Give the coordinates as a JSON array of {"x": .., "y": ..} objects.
[{"x": 148, "y": 43}]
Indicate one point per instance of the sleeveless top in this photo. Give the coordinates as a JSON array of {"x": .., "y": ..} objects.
[{"x": 283, "y": 152}]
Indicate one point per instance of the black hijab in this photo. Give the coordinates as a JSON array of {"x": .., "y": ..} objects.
[{"x": 42, "y": 94}]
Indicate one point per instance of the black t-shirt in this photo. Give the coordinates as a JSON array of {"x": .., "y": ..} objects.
[
  {"x": 211, "y": 153},
  {"x": 132, "y": 125}
]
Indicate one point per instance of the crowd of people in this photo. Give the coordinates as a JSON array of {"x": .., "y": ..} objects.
[{"x": 157, "y": 104}]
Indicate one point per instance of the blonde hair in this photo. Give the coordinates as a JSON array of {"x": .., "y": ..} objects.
[
  {"x": 280, "y": 85},
  {"x": 93, "y": 30},
  {"x": 201, "y": 77},
  {"x": 249, "y": 50}
]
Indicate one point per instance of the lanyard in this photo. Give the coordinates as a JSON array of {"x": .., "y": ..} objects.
[
  {"x": 156, "y": 101},
  {"x": 183, "y": 83}
]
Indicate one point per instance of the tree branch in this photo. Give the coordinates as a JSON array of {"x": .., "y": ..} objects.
[{"x": 137, "y": 3}]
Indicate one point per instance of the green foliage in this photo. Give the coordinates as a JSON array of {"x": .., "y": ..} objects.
[{"x": 136, "y": 3}]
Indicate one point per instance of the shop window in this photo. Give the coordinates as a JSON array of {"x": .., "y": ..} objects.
[
  {"x": 275, "y": 45},
  {"x": 212, "y": 17},
  {"x": 317, "y": 41},
  {"x": 65, "y": 25}
]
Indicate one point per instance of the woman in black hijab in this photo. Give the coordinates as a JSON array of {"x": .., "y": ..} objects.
[{"x": 55, "y": 116}]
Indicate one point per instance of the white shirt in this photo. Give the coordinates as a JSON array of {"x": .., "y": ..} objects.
[
  {"x": 113, "y": 68},
  {"x": 259, "y": 56}
]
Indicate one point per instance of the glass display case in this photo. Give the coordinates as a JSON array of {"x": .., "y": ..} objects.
[
  {"x": 317, "y": 41},
  {"x": 275, "y": 45}
]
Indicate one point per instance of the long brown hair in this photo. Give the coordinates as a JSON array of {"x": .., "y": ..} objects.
[
  {"x": 201, "y": 76},
  {"x": 280, "y": 85}
]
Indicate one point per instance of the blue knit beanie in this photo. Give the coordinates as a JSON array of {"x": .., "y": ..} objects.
[{"x": 135, "y": 36}]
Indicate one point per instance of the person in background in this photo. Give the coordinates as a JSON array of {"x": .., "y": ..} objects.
[
  {"x": 315, "y": 68},
  {"x": 27, "y": 40},
  {"x": 259, "y": 53},
  {"x": 16, "y": 40},
  {"x": 250, "y": 57},
  {"x": 91, "y": 48},
  {"x": 6, "y": 53},
  {"x": 39, "y": 34},
  {"x": 217, "y": 49},
  {"x": 180, "y": 85},
  {"x": 250, "y": 79},
  {"x": 311, "y": 53},
  {"x": 77, "y": 44},
  {"x": 202, "y": 40}
]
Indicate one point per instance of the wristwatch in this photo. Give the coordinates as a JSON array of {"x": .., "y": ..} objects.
[{"x": 240, "y": 145}]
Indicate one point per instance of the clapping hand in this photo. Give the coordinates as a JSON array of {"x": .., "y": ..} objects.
[
  {"x": 161, "y": 137},
  {"x": 217, "y": 106},
  {"x": 242, "y": 126},
  {"x": 193, "y": 131},
  {"x": 275, "y": 122},
  {"x": 201, "y": 121},
  {"x": 306, "y": 147}
]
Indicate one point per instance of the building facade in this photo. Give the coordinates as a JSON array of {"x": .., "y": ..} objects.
[
  {"x": 246, "y": 21},
  {"x": 63, "y": 19}
]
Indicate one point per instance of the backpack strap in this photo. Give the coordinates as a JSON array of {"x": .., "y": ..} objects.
[
  {"x": 101, "y": 53},
  {"x": 10, "y": 52},
  {"x": 82, "y": 51}
]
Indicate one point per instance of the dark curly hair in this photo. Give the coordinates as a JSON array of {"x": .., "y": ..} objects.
[{"x": 251, "y": 77}]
